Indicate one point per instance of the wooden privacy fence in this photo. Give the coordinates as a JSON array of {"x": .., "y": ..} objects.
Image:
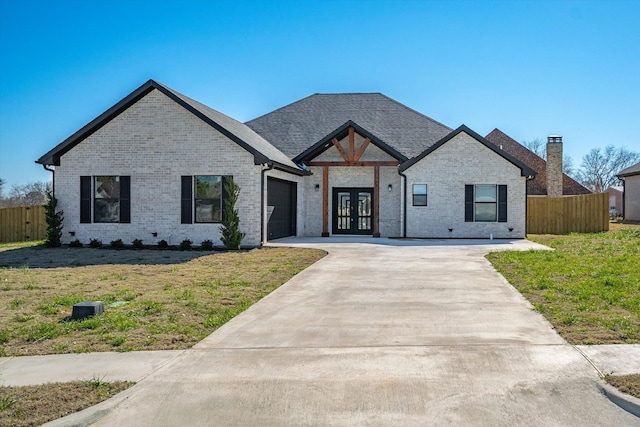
[
  {"x": 22, "y": 224},
  {"x": 587, "y": 213}
]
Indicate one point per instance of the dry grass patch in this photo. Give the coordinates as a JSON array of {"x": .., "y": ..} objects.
[
  {"x": 154, "y": 300},
  {"x": 36, "y": 405},
  {"x": 588, "y": 288},
  {"x": 629, "y": 384}
]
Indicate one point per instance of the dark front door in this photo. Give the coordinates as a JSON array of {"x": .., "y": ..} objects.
[
  {"x": 352, "y": 211},
  {"x": 281, "y": 208}
]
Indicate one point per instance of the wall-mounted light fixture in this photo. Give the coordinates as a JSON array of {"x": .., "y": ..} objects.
[
  {"x": 154, "y": 234},
  {"x": 73, "y": 233},
  {"x": 390, "y": 187},
  {"x": 317, "y": 187},
  {"x": 450, "y": 230},
  {"x": 510, "y": 228}
]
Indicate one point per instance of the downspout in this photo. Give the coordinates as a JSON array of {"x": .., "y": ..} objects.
[
  {"x": 263, "y": 215},
  {"x": 404, "y": 203}
]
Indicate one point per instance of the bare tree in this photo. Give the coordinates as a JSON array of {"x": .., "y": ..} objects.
[
  {"x": 567, "y": 166},
  {"x": 599, "y": 167},
  {"x": 31, "y": 194},
  {"x": 538, "y": 146},
  {"x": 1, "y": 186}
]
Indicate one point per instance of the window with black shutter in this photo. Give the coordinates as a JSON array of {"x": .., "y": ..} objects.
[
  {"x": 485, "y": 203},
  {"x": 85, "y": 199},
  {"x": 186, "y": 214},
  {"x": 105, "y": 198}
]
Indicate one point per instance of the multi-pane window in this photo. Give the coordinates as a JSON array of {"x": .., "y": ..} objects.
[
  {"x": 105, "y": 198},
  {"x": 485, "y": 203},
  {"x": 202, "y": 198},
  {"x": 208, "y": 198},
  {"x": 106, "y": 201},
  {"x": 419, "y": 194}
]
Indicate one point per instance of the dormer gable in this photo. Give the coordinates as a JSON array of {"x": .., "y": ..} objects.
[{"x": 350, "y": 145}]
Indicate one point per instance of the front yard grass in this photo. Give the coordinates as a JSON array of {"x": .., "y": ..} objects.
[
  {"x": 588, "y": 288},
  {"x": 36, "y": 405},
  {"x": 154, "y": 300}
]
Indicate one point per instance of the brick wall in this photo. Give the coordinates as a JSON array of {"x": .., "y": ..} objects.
[
  {"x": 554, "y": 168},
  {"x": 463, "y": 160},
  {"x": 156, "y": 141},
  {"x": 632, "y": 198}
]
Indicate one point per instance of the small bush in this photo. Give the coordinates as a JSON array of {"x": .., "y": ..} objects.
[
  {"x": 75, "y": 244},
  {"x": 185, "y": 245},
  {"x": 54, "y": 222},
  {"x": 162, "y": 244},
  {"x": 206, "y": 245},
  {"x": 137, "y": 244},
  {"x": 117, "y": 244},
  {"x": 95, "y": 243}
]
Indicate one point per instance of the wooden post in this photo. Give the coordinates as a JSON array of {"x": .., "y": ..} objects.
[
  {"x": 351, "y": 144},
  {"x": 376, "y": 201},
  {"x": 325, "y": 201}
]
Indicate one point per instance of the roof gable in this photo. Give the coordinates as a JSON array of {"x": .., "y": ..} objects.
[
  {"x": 297, "y": 127},
  {"x": 538, "y": 185},
  {"x": 630, "y": 171},
  {"x": 524, "y": 169},
  {"x": 327, "y": 142},
  {"x": 239, "y": 133}
]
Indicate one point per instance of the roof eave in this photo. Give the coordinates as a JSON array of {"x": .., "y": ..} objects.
[{"x": 289, "y": 169}]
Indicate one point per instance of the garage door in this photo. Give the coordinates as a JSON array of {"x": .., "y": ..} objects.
[{"x": 281, "y": 208}]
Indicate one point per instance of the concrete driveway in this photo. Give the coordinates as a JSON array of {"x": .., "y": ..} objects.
[{"x": 379, "y": 332}]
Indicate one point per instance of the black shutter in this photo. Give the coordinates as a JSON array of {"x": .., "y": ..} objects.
[
  {"x": 502, "y": 203},
  {"x": 85, "y": 200},
  {"x": 225, "y": 194},
  {"x": 468, "y": 203},
  {"x": 186, "y": 207},
  {"x": 125, "y": 199}
]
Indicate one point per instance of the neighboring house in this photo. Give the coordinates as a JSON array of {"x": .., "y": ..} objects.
[
  {"x": 631, "y": 195},
  {"x": 616, "y": 194},
  {"x": 538, "y": 185},
  {"x": 152, "y": 167}
]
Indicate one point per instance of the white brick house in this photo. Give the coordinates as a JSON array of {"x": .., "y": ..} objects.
[
  {"x": 152, "y": 168},
  {"x": 631, "y": 194}
]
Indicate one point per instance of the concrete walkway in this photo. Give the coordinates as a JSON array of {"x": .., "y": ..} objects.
[{"x": 379, "y": 332}]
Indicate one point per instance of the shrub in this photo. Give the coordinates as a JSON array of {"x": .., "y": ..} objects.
[
  {"x": 230, "y": 229},
  {"x": 185, "y": 245},
  {"x": 137, "y": 243},
  {"x": 206, "y": 245},
  {"x": 54, "y": 222},
  {"x": 95, "y": 243},
  {"x": 75, "y": 244},
  {"x": 162, "y": 244},
  {"x": 116, "y": 244}
]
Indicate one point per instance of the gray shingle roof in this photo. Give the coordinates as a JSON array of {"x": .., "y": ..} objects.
[
  {"x": 238, "y": 129},
  {"x": 631, "y": 170},
  {"x": 298, "y": 126},
  {"x": 262, "y": 150}
]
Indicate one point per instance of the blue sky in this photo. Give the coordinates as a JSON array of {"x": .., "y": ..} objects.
[{"x": 530, "y": 68}]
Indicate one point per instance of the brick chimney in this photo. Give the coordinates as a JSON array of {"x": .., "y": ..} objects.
[{"x": 554, "y": 166}]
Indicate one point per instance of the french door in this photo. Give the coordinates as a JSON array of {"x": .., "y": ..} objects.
[{"x": 353, "y": 211}]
